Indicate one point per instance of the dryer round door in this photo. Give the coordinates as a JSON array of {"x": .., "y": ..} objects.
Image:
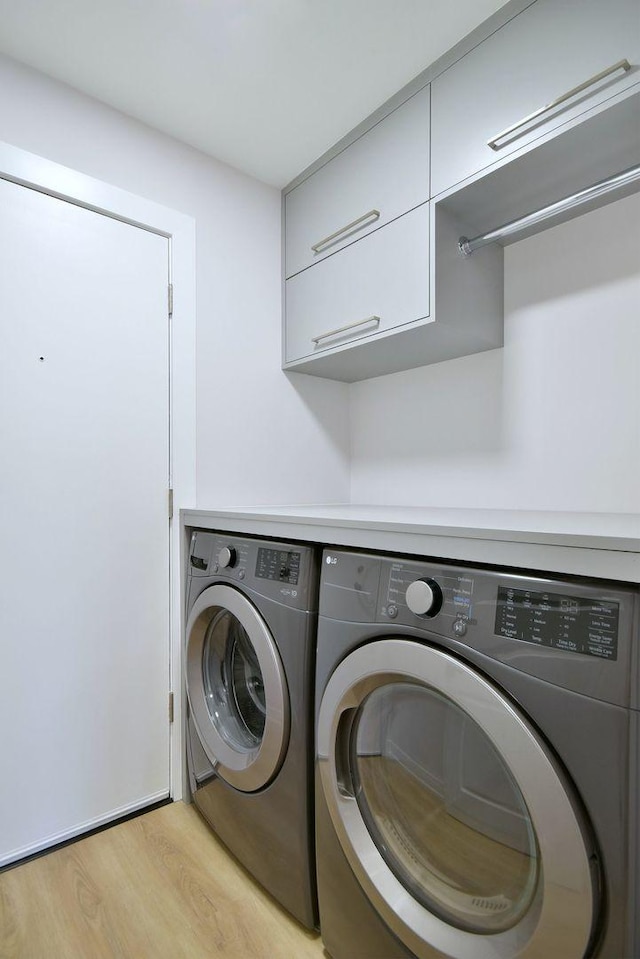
[
  {"x": 236, "y": 688},
  {"x": 454, "y": 815}
]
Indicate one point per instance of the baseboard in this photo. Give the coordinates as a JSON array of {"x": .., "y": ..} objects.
[{"x": 19, "y": 856}]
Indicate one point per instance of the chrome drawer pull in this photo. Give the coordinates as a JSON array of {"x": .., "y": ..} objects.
[
  {"x": 621, "y": 65},
  {"x": 345, "y": 329},
  {"x": 365, "y": 220}
]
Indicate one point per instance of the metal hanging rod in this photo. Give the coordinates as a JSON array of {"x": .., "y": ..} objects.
[{"x": 467, "y": 246}]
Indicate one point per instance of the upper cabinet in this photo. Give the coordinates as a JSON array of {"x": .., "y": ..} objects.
[
  {"x": 537, "y": 106},
  {"x": 374, "y": 285},
  {"x": 364, "y": 293},
  {"x": 554, "y": 61},
  {"x": 382, "y": 174}
]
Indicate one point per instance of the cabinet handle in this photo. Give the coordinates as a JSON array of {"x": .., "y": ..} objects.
[
  {"x": 345, "y": 329},
  {"x": 621, "y": 65},
  {"x": 365, "y": 220}
]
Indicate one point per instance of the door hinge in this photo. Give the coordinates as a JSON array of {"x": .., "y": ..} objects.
[
  {"x": 170, "y": 505},
  {"x": 170, "y": 707},
  {"x": 171, "y": 299}
]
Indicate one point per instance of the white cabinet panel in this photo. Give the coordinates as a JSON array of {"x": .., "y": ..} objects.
[
  {"x": 551, "y": 48},
  {"x": 377, "y": 178},
  {"x": 378, "y": 283}
]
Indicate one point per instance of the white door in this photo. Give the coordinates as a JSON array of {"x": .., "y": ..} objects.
[{"x": 84, "y": 531}]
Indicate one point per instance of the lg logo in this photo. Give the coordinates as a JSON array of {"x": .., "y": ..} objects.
[{"x": 331, "y": 560}]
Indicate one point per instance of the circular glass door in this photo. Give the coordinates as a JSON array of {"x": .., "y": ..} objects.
[
  {"x": 449, "y": 819},
  {"x": 233, "y": 682},
  {"x": 236, "y": 688},
  {"x": 454, "y": 816}
]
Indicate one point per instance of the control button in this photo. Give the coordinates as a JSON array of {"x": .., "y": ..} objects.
[
  {"x": 392, "y": 611},
  {"x": 424, "y": 597},
  {"x": 460, "y": 627},
  {"x": 241, "y": 574},
  {"x": 227, "y": 557}
]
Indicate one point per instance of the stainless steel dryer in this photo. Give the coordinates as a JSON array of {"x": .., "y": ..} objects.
[
  {"x": 249, "y": 659},
  {"x": 477, "y": 783}
]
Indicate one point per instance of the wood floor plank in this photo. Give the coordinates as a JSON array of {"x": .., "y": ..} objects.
[{"x": 160, "y": 886}]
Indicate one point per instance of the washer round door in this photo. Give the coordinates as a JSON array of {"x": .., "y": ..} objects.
[
  {"x": 455, "y": 817},
  {"x": 236, "y": 688}
]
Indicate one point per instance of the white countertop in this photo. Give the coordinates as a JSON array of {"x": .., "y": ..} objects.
[{"x": 605, "y": 545}]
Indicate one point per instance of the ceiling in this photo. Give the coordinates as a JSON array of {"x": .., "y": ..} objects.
[{"x": 265, "y": 85}]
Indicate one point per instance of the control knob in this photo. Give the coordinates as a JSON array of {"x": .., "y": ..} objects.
[
  {"x": 227, "y": 557},
  {"x": 424, "y": 597}
]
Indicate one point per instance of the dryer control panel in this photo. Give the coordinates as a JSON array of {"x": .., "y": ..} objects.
[
  {"x": 404, "y": 583},
  {"x": 576, "y": 624},
  {"x": 577, "y": 633}
]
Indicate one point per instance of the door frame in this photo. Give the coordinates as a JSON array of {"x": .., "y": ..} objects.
[{"x": 37, "y": 173}]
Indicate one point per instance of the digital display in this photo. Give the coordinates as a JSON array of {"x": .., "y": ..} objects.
[
  {"x": 283, "y": 566},
  {"x": 572, "y": 623}
]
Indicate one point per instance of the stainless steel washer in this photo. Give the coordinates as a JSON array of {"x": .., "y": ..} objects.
[
  {"x": 477, "y": 763},
  {"x": 249, "y": 661}
]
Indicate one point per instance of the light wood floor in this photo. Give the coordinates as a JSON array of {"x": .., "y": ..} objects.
[{"x": 156, "y": 887}]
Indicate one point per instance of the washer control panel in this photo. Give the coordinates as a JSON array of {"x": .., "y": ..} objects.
[
  {"x": 286, "y": 572},
  {"x": 281, "y": 565}
]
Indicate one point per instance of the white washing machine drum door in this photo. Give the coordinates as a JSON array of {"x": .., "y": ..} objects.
[
  {"x": 237, "y": 688},
  {"x": 456, "y": 819}
]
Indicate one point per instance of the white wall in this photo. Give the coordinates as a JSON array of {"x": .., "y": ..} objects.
[
  {"x": 550, "y": 422},
  {"x": 263, "y": 437}
]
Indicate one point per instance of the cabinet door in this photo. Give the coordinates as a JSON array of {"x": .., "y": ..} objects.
[
  {"x": 376, "y": 284},
  {"x": 377, "y": 178},
  {"x": 550, "y": 49}
]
